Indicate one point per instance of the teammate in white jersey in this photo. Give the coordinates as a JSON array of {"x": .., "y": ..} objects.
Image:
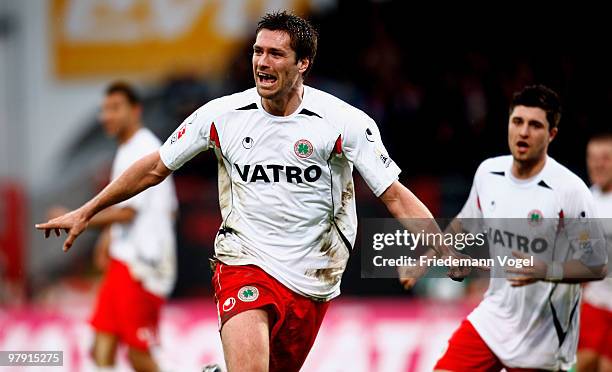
[
  {"x": 285, "y": 153},
  {"x": 139, "y": 238},
  {"x": 529, "y": 319},
  {"x": 595, "y": 342}
]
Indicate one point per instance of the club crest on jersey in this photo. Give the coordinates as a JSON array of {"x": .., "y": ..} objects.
[
  {"x": 303, "y": 148},
  {"x": 229, "y": 304},
  {"x": 535, "y": 217},
  {"x": 248, "y": 294}
]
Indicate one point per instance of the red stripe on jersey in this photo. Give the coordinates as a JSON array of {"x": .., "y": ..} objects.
[
  {"x": 214, "y": 136},
  {"x": 338, "y": 145},
  {"x": 478, "y": 203}
]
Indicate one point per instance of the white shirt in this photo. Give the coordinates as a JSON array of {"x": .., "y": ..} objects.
[
  {"x": 285, "y": 183},
  {"x": 599, "y": 293},
  {"x": 534, "y": 326},
  {"x": 147, "y": 244}
]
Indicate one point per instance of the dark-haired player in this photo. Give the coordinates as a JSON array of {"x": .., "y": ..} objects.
[{"x": 286, "y": 153}]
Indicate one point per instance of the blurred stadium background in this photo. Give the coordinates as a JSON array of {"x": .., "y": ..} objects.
[{"x": 437, "y": 87}]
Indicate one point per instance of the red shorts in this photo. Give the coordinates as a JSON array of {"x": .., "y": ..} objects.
[
  {"x": 124, "y": 308},
  {"x": 294, "y": 319},
  {"x": 595, "y": 330},
  {"x": 467, "y": 352}
]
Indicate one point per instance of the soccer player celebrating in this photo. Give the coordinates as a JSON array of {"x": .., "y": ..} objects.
[
  {"x": 528, "y": 321},
  {"x": 595, "y": 342},
  {"x": 139, "y": 237},
  {"x": 285, "y": 154}
]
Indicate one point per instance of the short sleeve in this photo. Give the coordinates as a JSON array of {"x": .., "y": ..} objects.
[
  {"x": 584, "y": 231},
  {"x": 362, "y": 145},
  {"x": 189, "y": 139},
  {"x": 472, "y": 208}
]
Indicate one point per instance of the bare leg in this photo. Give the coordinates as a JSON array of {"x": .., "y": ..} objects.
[
  {"x": 142, "y": 361},
  {"x": 246, "y": 342},
  {"x": 104, "y": 349},
  {"x": 605, "y": 364},
  {"x": 587, "y": 360}
]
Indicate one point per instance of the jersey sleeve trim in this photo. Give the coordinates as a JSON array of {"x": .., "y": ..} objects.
[
  {"x": 394, "y": 172},
  {"x": 163, "y": 155}
]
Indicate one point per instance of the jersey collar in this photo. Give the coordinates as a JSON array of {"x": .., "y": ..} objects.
[
  {"x": 526, "y": 183},
  {"x": 296, "y": 112}
]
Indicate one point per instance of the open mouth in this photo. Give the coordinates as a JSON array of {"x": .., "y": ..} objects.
[
  {"x": 266, "y": 78},
  {"x": 522, "y": 145}
]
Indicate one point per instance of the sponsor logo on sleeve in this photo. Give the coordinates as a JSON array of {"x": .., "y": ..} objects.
[
  {"x": 386, "y": 159},
  {"x": 180, "y": 132}
]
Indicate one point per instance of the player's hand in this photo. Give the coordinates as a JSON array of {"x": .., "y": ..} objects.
[
  {"x": 73, "y": 223},
  {"x": 410, "y": 275},
  {"x": 458, "y": 273},
  {"x": 527, "y": 274},
  {"x": 56, "y": 211}
]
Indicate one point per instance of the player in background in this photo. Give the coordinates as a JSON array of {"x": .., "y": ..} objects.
[
  {"x": 595, "y": 341},
  {"x": 527, "y": 320},
  {"x": 286, "y": 153},
  {"x": 137, "y": 244}
]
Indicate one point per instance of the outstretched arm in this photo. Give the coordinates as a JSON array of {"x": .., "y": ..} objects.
[
  {"x": 402, "y": 203},
  {"x": 412, "y": 213},
  {"x": 146, "y": 172},
  {"x": 415, "y": 216},
  {"x": 103, "y": 219}
]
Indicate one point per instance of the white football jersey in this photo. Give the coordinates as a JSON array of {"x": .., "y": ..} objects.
[
  {"x": 600, "y": 293},
  {"x": 285, "y": 183},
  {"x": 147, "y": 244},
  {"x": 534, "y": 326}
]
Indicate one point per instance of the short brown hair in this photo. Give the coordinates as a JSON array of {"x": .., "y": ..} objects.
[
  {"x": 302, "y": 34},
  {"x": 126, "y": 89}
]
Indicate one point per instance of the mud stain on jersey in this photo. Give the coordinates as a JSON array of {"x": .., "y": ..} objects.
[
  {"x": 337, "y": 256},
  {"x": 347, "y": 194},
  {"x": 328, "y": 276},
  {"x": 342, "y": 217},
  {"x": 325, "y": 243}
]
